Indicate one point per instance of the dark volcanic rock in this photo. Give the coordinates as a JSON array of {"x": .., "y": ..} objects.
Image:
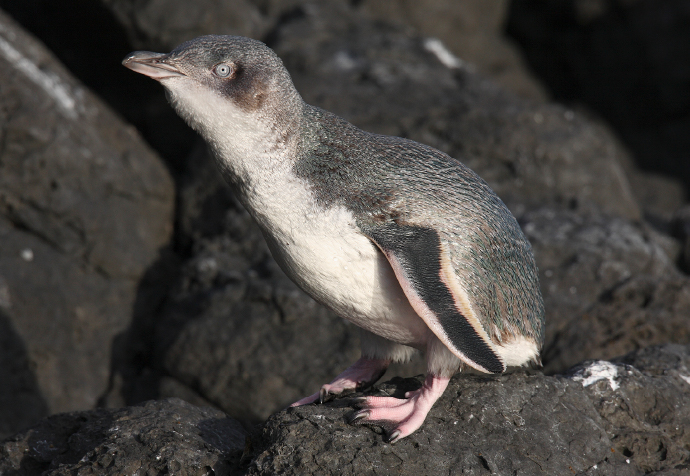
[
  {"x": 601, "y": 418},
  {"x": 85, "y": 207},
  {"x": 164, "y": 437},
  {"x": 513, "y": 424},
  {"x": 625, "y": 417},
  {"x": 608, "y": 285},
  {"x": 472, "y": 30}
]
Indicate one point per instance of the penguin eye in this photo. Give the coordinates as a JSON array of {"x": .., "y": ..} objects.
[{"x": 222, "y": 70}]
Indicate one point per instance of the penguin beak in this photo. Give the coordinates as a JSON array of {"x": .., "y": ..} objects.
[{"x": 154, "y": 65}]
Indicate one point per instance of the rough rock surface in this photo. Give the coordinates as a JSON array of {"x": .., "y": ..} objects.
[
  {"x": 625, "y": 417},
  {"x": 629, "y": 417},
  {"x": 472, "y": 30},
  {"x": 85, "y": 206},
  {"x": 609, "y": 286},
  {"x": 158, "y": 437}
]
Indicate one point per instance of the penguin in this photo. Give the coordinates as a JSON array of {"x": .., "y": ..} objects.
[{"x": 395, "y": 236}]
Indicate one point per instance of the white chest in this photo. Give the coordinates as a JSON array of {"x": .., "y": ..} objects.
[{"x": 326, "y": 255}]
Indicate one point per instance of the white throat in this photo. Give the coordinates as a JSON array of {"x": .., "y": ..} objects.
[{"x": 251, "y": 147}]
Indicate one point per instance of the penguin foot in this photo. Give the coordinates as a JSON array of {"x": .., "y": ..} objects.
[
  {"x": 360, "y": 375},
  {"x": 400, "y": 417}
]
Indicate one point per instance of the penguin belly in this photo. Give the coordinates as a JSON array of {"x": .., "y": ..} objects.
[{"x": 327, "y": 256}]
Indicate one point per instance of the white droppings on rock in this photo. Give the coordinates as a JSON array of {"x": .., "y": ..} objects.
[
  {"x": 47, "y": 81},
  {"x": 344, "y": 61},
  {"x": 207, "y": 265},
  {"x": 599, "y": 370},
  {"x": 27, "y": 254},
  {"x": 449, "y": 60}
]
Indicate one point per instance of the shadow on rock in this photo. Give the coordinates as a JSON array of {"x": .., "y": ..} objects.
[
  {"x": 132, "y": 379},
  {"x": 20, "y": 396}
]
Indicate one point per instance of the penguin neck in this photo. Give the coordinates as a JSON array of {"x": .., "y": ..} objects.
[
  {"x": 251, "y": 146},
  {"x": 256, "y": 150},
  {"x": 254, "y": 146}
]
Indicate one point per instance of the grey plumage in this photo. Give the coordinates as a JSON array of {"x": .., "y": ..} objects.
[{"x": 385, "y": 179}]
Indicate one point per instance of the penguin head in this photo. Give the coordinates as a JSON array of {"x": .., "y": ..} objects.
[{"x": 217, "y": 83}]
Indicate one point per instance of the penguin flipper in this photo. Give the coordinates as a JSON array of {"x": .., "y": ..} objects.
[{"x": 422, "y": 265}]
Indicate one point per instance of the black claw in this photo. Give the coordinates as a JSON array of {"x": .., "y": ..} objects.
[
  {"x": 393, "y": 437},
  {"x": 360, "y": 415},
  {"x": 323, "y": 393},
  {"x": 358, "y": 402}
]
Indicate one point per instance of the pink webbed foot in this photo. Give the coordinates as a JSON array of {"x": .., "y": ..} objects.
[
  {"x": 401, "y": 417},
  {"x": 358, "y": 376}
]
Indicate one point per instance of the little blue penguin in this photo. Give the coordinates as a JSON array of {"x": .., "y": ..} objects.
[{"x": 397, "y": 237}]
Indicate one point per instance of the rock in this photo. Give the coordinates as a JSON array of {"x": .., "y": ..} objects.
[
  {"x": 648, "y": 412},
  {"x": 600, "y": 418},
  {"x": 515, "y": 424},
  {"x": 85, "y": 207},
  {"x": 21, "y": 401},
  {"x": 472, "y": 30},
  {"x": 608, "y": 285},
  {"x": 168, "y": 23},
  {"x": 164, "y": 437},
  {"x": 681, "y": 230},
  {"x": 624, "y": 417}
]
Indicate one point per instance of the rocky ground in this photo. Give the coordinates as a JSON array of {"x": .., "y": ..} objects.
[{"x": 137, "y": 295}]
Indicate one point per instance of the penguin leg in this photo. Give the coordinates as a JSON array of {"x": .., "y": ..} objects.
[
  {"x": 359, "y": 375},
  {"x": 401, "y": 417},
  {"x": 377, "y": 354}
]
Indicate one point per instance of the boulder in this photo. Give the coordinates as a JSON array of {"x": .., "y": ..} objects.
[
  {"x": 85, "y": 207},
  {"x": 472, "y": 30},
  {"x": 609, "y": 286},
  {"x": 615, "y": 418},
  {"x": 157, "y": 437}
]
